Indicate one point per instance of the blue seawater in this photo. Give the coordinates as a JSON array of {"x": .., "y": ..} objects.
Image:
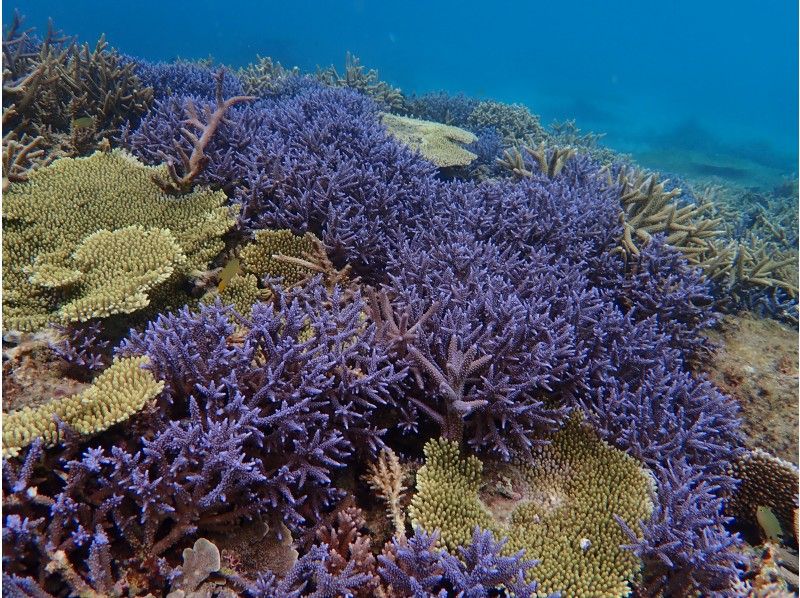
[{"x": 692, "y": 87}]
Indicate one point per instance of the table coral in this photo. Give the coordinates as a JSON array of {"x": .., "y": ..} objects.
[
  {"x": 120, "y": 391},
  {"x": 441, "y": 144},
  {"x": 71, "y": 230}
]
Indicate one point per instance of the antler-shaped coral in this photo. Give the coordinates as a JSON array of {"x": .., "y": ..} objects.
[
  {"x": 385, "y": 477},
  {"x": 550, "y": 165},
  {"x": 452, "y": 383},
  {"x": 394, "y": 330},
  {"x": 196, "y": 162}
]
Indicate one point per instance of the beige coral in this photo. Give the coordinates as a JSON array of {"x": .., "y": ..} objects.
[{"x": 441, "y": 144}]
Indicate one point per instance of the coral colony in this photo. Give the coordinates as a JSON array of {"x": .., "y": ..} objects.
[{"x": 334, "y": 340}]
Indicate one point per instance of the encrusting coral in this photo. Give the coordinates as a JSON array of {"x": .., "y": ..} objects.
[
  {"x": 574, "y": 489},
  {"x": 117, "y": 393},
  {"x": 89, "y": 237},
  {"x": 437, "y": 142}
]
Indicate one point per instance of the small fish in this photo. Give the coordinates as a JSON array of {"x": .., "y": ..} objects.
[
  {"x": 230, "y": 270},
  {"x": 83, "y": 122},
  {"x": 769, "y": 524}
]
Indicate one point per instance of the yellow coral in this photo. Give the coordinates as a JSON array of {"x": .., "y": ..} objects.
[
  {"x": 56, "y": 270},
  {"x": 447, "y": 494},
  {"x": 258, "y": 258},
  {"x": 570, "y": 490},
  {"x": 437, "y": 142},
  {"x": 120, "y": 391}
]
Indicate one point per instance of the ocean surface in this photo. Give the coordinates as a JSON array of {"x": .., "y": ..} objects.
[{"x": 695, "y": 88}]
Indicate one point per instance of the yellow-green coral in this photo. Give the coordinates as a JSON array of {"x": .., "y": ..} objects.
[
  {"x": 571, "y": 490},
  {"x": 81, "y": 234},
  {"x": 437, "y": 142},
  {"x": 258, "y": 259},
  {"x": 120, "y": 391},
  {"x": 447, "y": 494}
]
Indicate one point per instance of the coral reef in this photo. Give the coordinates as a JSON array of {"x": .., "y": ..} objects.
[
  {"x": 441, "y": 144},
  {"x": 116, "y": 394},
  {"x": 300, "y": 302},
  {"x": 364, "y": 81},
  {"x": 569, "y": 495},
  {"x": 109, "y": 238}
]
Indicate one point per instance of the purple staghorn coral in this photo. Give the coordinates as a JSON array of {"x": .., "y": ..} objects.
[
  {"x": 183, "y": 78},
  {"x": 318, "y": 162},
  {"x": 256, "y": 415},
  {"x": 83, "y": 348},
  {"x": 685, "y": 545},
  {"x": 419, "y": 569}
]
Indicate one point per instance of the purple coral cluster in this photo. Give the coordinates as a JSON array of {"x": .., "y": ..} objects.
[{"x": 503, "y": 307}]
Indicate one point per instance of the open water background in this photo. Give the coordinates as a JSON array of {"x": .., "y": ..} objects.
[{"x": 712, "y": 83}]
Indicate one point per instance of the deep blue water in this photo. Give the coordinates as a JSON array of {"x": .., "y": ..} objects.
[{"x": 718, "y": 77}]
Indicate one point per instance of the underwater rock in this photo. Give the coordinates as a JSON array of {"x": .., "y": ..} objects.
[{"x": 756, "y": 363}]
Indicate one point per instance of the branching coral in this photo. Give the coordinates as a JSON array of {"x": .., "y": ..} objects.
[
  {"x": 513, "y": 121},
  {"x": 366, "y": 82},
  {"x": 120, "y": 391},
  {"x": 266, "y": 78},
  {"x": 62, "y": 96},
  {"x": 550, "y": 164},
  {"x": 194, "y": 163},
  {"x": 441, "y": 144},
  {"x": 385, "y": 477},
  {"x": 90, "y": 237}
]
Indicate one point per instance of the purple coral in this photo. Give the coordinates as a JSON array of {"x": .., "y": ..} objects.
[
  {"x": 685, "y": 545},
  {"x": 183, "y": 78},
  {"x": 318, "y": 162},
  {"x": 418, "y": 569}
]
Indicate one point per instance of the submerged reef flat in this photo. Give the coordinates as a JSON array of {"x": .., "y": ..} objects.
[
  {"x": 756, "y": 362},
  {"x": 279, "y": 334}
]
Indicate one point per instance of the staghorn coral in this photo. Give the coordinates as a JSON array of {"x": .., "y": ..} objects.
[
  {"x": 573, "y": 489},
  {"x": 366, "y": 82},
  {"x": 385, "y": 478},
  {"x": 441, "y": 144},
  {"x": 420, "y": 567},
  {"x": 194, "y": 163},
  {"x": 550, "y": 165},
  {"x": 68, "y": 95},
  {"x": 764, "y": 481},
  {"x": 513, "y": 121},
  {"x": 441, "y": 107},
  {"x": 266, "y": 78},
  {"x": 184, "y": 78},
  {"x": 71, "y": 231},
  {"x": 116, "y": 394},
  {"x": 648, "y": 208}
]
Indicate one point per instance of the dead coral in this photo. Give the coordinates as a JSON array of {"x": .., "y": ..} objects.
[{"x": 366, "y": 81}]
